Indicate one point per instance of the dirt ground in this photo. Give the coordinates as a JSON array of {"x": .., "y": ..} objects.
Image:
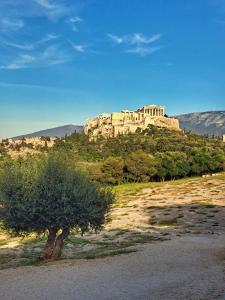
[
  {"x": 188, "y": 267},
  {"x": 175, "y": 229}
]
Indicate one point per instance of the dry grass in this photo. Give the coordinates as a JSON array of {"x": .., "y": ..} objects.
[{"x": 143, "y": 213}]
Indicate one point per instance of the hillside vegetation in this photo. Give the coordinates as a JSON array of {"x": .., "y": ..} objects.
[{"x": 151, "y": 155}]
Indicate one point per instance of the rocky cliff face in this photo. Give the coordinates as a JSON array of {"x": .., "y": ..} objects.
[
  {"x": 211, "y": 122},
  {"x": 107, "y": 127}
]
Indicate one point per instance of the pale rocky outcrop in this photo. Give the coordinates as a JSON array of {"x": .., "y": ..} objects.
[{"x": 124, "y": 122}]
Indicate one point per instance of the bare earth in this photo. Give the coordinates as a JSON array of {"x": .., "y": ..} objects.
[
  {"x": 189, "y": 267},
  {"x": 177, "y": 229}
]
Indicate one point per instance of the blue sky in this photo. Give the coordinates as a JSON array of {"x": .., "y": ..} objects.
[{"x": 63, "y": 61}]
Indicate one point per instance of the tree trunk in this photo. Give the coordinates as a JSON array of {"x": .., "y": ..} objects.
[
  {"x": 57, "y": 250},
  {"x": 47, "y": 253}
]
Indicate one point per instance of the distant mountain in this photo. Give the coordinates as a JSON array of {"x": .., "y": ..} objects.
[
  {"x": 211, "y": 122},
  {"x": 54, "y": 132}
]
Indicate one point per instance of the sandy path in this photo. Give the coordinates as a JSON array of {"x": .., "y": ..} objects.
[{"x": 189, "y": 267}]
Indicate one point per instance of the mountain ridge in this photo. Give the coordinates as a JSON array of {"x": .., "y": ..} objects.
[
  {"x": 59, "y": 131},
  {"x": 209, "y": 122}
]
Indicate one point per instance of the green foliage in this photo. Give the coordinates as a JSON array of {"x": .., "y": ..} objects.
[
  {"x": 46, "y": 194},
  {"x": 140, "y": 166},
  {"x": 112, "y": 170},
  {"x": 172, "y": 165},
  {"x": 152, "y": 154},
  {"x": 40, "y": 193}
]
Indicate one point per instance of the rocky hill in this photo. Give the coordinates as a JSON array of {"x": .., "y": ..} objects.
[
  {"x": 211, "y": 122},
  {"x": 54, "y": 132}
]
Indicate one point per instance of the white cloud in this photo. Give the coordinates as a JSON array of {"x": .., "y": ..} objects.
[
  {"x": 49, "y": 37},
  {"x": 134, "y": 39},
  {"x": 73, "y": 21},
  {"x": 45, "y": 4},
  {"x": 20, "y": 63},
  {"x": 79, "y": 48},
  {"x": 143, "y": 51},
  {"x": 26, "y": 47},
  {"x": 116, "y": 39},
  {"x": 51, "y": 55},
  {"x": 52, "y": 9},
  {"x": 138, "y": 38},
  {"x": 11, "y": 24},
  {"x": 139, "y": 41},
  {"x": 31, "y": 46}
]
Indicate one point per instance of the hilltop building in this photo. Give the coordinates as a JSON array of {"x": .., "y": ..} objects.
[{"x": 124, "y": 122}]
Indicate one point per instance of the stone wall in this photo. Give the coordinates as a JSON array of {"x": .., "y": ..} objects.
[{"x": 111, "y": 125}]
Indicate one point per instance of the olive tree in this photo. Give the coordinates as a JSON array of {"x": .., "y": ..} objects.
[{"x": 47, "y": 195}]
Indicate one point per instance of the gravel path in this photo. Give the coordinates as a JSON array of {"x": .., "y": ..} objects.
[{"x": 189, "y": 267}]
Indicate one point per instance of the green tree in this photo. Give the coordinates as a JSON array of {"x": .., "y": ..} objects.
[
  {"x": 200, "y": 161},
  {"x": 207, "y": 160},
  {"x": 162, "y": 166},
  {"x": 46, "y": 195},
  {"x": 112, "y": 170},
  {"x": 179, "y": 165},
  {"x": 140, "y": 166},
  {"x": 172, "y": 165}
]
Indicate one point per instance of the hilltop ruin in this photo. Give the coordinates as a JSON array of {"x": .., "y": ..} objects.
[{"x": 112, "y": 124}]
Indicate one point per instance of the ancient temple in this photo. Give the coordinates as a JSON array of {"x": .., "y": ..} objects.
[{"x": 124, "y": 122}]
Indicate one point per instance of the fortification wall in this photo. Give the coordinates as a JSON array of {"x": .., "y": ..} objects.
[{"x": 111, "y": 125}]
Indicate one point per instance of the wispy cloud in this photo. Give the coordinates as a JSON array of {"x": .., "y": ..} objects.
[
  {"x": 73, "y": 22},
  {"x": 47, "y": 38},
  {"x": 138, "y": 38},
  {"x": 51, "y": 55},
  {"x": 143, "y": 51},
  {"x": 79, "y": 48},
  {"x": 134, "y": 39},
  {"x": 137, "y": 43},
  {"x": 20, "y": 63},
  {"x": 7, "y": 24},
  {"x": 116, "y": 39},
  {"x": 53, "y": 9},
  {"x": 26, "y": 47},
  {"x": 23, "y": 51},
  {"x": 30, "y": 46},
  {"x": 45, "y": 4}
]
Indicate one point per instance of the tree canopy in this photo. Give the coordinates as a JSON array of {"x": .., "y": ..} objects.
[
  {"x": 149, "y": 155},
  {"x": 49, "y": 195}
]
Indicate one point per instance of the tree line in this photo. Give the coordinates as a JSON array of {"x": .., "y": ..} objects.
[{"x": 150, "y": 155}]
